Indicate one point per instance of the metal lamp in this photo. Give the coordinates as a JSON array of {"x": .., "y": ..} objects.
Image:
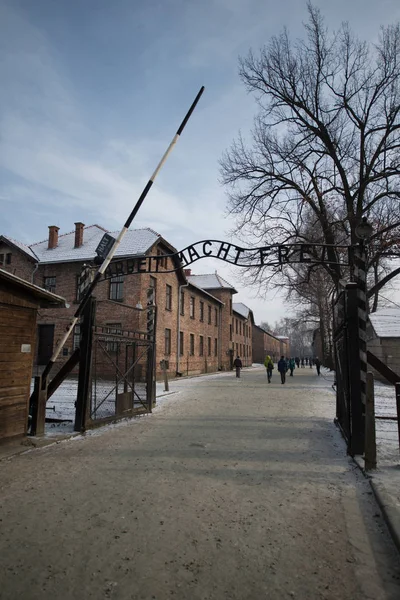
[{"x": 364, "y": 230}]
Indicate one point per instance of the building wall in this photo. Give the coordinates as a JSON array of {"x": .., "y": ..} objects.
[
  {"x": 20, "y": 264},
  {"x": 242, "y": 338},
  {"x": 226, "y": 329},
  {"x": 386, "y": 349},
  {"x": 263, "y": 345},
  {"x": 17, "y": 328}
]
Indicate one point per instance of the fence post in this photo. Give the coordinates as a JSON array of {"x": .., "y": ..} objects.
[
  {"x": 360, "y": 262},
  {"x": 163, "y": 365},
  {"x": 397, "y": 387},
  {"x": 357, "y": 392},
  {"x": 370, "y": 433},
  {"x": 85, "y": 364},
  {"x": 39, "y": 399}
]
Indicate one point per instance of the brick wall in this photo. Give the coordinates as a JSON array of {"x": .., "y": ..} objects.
[
  {"x": 265, "y": 344},
  {"x": 242, "y": 338},
  {"x": 20, "y": 264}
]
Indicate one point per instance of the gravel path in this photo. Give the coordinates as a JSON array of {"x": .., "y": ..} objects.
[{"x": 232, "y": 489}]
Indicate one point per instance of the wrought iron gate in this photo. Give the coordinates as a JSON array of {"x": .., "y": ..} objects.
[
  {"x": 350, "y": 413},
  {"x": 121, "y": 374}
]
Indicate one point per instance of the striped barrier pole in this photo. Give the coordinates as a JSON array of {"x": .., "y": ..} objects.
[{"x": 120, "y": 237}]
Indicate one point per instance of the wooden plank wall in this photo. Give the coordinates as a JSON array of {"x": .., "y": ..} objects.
[{"x": 17, "y": 327}]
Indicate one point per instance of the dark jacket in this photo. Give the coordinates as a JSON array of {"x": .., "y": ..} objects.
[
  {"x": 237, "y": 363},
  {"x": 282, "y": 366}
]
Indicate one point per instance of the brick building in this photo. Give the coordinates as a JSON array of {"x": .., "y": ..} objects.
[
  {"x": 265, "y": 343},
  {"x": 198, "y": 327}
]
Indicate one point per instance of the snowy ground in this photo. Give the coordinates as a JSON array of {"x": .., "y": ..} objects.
[
  {"x": 232, "y": 489},
  {"x": 61, "y": 405}
]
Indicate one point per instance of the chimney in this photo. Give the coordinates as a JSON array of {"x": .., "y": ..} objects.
[
  {"x": 53, "y": 236},
  {"x": 187, "y": 272},
  {"x": 79, "y": 234}
]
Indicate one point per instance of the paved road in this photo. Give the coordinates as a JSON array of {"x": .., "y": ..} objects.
[{"x": 230, "y": 490}]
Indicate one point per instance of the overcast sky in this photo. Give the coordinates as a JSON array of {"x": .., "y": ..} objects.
[{"x": 92, "y": 92}]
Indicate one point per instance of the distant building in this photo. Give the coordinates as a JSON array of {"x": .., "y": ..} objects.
[
  {"x": 265, "y": 343},
  {"x": 284, "y": 345},
  {"x": 383, "y": 337}
]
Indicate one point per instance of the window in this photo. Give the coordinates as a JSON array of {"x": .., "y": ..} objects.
[
  {"x": 8, "y": 258},
  {"x": 230, "y": 332},
  {"x": 209, "y": 346},
  {"x": 112, "y": 344},
  {"x": 201, "y": 311},
  {"x": 216, "y": 317},
  {"x": 215, "y": 347},
  {"x": 49, "y": 284},
  {"x": 240, "y": 349},
  {"x": 201, "y": 346},
  {"x": 1, "y": 259},
  {"x": 191, "y": 309},
  {"x": 192, "y": 344},
  {"x": 237, "y": 349},
  {"x": 182, "y": 303},
  {"x": 167, "y": 342},
  {"x": 230, "y": 306},
  {"x": 77, "y": 337},
  {"x": 117, "y": 288},
  {"x": 240, "y": 327},
  {"x": 181, "y": 348},
  {"x": 168, "y": 298},
  {"x": 209, "y": 314},
  {"x": 236, "y": 325},
  {"x": 152, "y": 291}
]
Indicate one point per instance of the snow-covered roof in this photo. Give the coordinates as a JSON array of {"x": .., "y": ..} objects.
[
  {"x": 241, "y": 308},
  {"x": 386, "y": 322},
  {"x": 19, "y": 245},
  {"x": 282, "y": 337},
  {"x": 212, "y": 281},
  {"x": 136, "y": 241},
  {"x": 206, "y": 293}
]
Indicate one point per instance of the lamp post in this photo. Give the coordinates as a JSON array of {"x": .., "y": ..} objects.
[{"x": 363, "y": 232}]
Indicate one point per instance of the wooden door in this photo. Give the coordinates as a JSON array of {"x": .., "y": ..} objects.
[{"x": 45, "y": 343}]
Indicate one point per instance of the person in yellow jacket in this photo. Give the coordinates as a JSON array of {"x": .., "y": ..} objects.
[{"x": 269, "y": 365}]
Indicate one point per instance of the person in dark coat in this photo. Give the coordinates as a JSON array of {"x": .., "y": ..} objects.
[
  {"x": 297, "y": 359},
  {"x": 237, "y": 363},
  {"x": 317, "y": 363},
  {"x": 282, "y": 368}
]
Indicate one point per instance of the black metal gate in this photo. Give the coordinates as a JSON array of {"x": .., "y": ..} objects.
[
  {"x": 349, "y": 410},
  {"x": 116, "y": 371},
  {"x": 121, "y": 376}
]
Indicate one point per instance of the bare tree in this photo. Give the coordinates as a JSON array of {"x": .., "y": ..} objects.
[{"x": 325, "y": 147}]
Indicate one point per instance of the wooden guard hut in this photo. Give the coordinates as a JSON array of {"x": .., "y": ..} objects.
[{"x": 19, "y": 304}]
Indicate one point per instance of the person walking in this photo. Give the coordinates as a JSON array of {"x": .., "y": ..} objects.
[
  {"x": 311, "y": 362},
  {"x": 292, "y": 366},
  {"x": 302, "y": 362},
  {"x": 269, "y": 365},
  {"x": 237, "y": 363},
  {"x": 297, "y": 360},
  {"x": 282, "y": 368},
  {"x": 317, "y": 363}
]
